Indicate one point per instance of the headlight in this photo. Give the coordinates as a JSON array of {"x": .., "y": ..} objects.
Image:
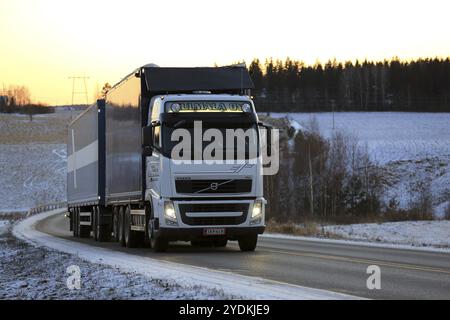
[
  {"x": 257, "y": 209},
  {"x": 169, "y": 210}
]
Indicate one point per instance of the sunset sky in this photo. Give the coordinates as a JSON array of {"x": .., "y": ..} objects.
[{"x": 43, "y": 42}]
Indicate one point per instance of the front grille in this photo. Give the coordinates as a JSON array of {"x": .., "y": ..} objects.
[
  {"x": 214, "y": 186},
  {"x": 213, "y": 207}
]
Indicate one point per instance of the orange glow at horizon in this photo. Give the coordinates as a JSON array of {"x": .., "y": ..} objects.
[{"x": 44, "y": 42}]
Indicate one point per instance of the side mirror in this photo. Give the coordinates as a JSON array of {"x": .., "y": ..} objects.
[
  {"x": 147, "y": 140},
  {"x": 268, "y": 129},
  {"x": 147, "y": 136}
]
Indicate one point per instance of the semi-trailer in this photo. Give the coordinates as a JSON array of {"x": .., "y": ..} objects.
[{"x": 128, "y": 181}]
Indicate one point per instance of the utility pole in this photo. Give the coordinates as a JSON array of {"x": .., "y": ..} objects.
[
  {"x": 75, "y": 92},
  {"x": 82, "y": 92}
]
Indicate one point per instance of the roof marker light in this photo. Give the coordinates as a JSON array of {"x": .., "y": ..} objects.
[{"x": 246, "y": 107}]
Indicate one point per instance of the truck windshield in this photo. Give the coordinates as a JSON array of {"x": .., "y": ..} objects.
[{"x": 232, "y": 142}]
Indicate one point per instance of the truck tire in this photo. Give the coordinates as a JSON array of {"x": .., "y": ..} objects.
[
  {"x": 158, "y": 244},
  {"x": 146, "y": 241},
  {"x": 129, "y": 235},
  {"x": 94, "y": 224},
  {"x": 75, "y": 222},
  {"x": 102, "y": 231},
  {"x": 248, "y": 243},
  {"x": 121, "y": 229},
  {"x": 115, "y": 224}
]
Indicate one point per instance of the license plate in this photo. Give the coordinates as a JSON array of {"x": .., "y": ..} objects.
[{"x": 214, "y": 231}]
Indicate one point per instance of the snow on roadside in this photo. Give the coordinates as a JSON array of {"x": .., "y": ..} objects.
[
  {"x": 412, "y": 233},
  {"x": 29, "y": 272},
  {"x": 174, "y": 274}
]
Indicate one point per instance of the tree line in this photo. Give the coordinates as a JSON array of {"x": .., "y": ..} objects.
[
  {"x": 422, "y": 85},
  {"x": 17, "y": 99}
]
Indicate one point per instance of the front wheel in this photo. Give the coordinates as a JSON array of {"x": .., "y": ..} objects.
[
  {"x": 248, "y": 243},
  {"x": 158, "y": 244}
]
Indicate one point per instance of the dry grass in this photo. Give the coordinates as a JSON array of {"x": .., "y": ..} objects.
[
  {"x": 306, "y": 229},
  {"x": 45, "y": 128}
]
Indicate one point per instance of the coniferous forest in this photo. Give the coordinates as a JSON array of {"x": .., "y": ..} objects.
[{"x": 421, "y": 85}]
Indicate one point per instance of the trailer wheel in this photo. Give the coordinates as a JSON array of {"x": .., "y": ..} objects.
[
  {"x": 75, "y": 222},
  {"x": 121, "y": 228},
  {"x": 129, "y": 235},
  {"x": 71, "y": 220},
  {"x": 102, "y": 231},
  {"x": 116, "y": 224},
  {"x": 248, "y": 243},
  {"x": 94, "y": 223}
]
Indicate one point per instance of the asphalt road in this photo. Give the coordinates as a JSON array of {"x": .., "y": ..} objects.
[{"x": 405, "y": 274}]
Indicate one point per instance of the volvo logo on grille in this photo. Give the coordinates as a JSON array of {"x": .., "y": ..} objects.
[{"x": 214, "y": 186}]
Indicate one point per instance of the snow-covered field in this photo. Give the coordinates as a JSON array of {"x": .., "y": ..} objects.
[
  {"x": 414, "y": 148},
  {"x": 413, "y": 233},
  {"x": 31, "y": 175},
  {"x": 32, "y": 160},
  {"x": 390, "y": 136}
]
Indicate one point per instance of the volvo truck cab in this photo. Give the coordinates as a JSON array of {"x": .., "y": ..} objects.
[{"x": 204, "y": 170}]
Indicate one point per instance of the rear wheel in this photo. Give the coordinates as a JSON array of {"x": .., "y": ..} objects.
[
  {"x": 248, "y": 243},
  {"x": 121, "y": 227},
  {"x": 75, "y": 222},
  {"x": 94, "y": 223},
  {"x": 116, "y": 224},
  {"x": 129, "y": 235},
  {"x": 102, "y": 230}
]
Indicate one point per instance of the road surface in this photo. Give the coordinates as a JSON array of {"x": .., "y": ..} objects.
[{"x": 405, "y": 274}]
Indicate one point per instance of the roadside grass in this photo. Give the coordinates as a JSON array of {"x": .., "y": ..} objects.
[
  {"x": 315, "y": 226},
  {"x": 305, "y": 229}
]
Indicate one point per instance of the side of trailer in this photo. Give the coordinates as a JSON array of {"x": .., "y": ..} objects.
[{"x": 86, "y": 173}]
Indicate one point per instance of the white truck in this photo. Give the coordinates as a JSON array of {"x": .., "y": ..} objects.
[{"x": 157, "y": 161}]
